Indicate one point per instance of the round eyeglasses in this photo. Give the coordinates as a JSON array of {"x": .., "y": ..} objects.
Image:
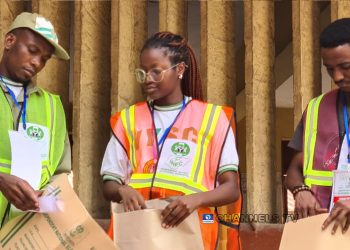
[{"x": 155, "y": 75}]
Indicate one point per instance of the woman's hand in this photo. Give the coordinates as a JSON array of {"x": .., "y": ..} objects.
[
  {"x": 132, "y": 200},
  {"x": 179, "y": 209}
]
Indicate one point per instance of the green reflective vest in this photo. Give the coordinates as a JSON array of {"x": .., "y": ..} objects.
[{"x": 44, "y": 109}]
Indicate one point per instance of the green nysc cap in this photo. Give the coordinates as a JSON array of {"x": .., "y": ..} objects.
[{"x": 41, "y": 26}]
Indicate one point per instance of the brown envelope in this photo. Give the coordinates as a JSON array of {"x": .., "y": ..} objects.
[
  {"x": 142, "y": 230},
  {"x": 306, "y": 234},
  {"x": 71, "y": 229}
]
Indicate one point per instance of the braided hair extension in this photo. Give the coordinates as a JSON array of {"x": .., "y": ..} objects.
[{"x": 178, "y": 50}]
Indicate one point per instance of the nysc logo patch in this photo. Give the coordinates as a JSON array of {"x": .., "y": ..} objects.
[
  {"x": 180, "y": 149},
  {"x": 35, "y": 133}
]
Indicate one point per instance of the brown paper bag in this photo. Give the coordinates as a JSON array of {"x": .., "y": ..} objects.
[
  {"x": 306, "y": 234},
  {"x": 71, "y": 229},
  {"x": 142, "y": 229}
]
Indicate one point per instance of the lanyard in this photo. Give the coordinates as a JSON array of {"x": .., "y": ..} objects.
[
  {"x": 16, "y": 102},
  {"x": 167, "y": 130},
  {"x": 346, "y": 125}
]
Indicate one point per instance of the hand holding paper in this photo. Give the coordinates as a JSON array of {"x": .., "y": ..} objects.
[
  {"x": 340, "y": 214},
  {"x": 139, "y": 230},
  {"x": 307, "y": 205},
  {"x": 306, "y": 234},
  {"x": 132, "y": 200},
  {"x": 18, "y": 192},
  {"x": 178, "y": 210}
]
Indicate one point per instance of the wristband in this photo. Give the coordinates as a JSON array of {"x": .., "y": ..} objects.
[{"x": 300, "y": 188}]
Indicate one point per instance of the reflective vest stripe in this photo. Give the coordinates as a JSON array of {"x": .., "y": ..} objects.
[
  {"x": 180, "y": 180},
  {"x": 313, "y": 177},
  {"x": 311, "y": 132},
  {"x": 163, "y": 180},
  {"x": 141, "y": 180},
  {"x": 322, "y": 178},
  {"x": 128, "y": 120},
  {"x": 315, "y": 180},
  {"x": 5, "y": 162},
  {"x": 205, "y": 134},
  {"x": 6, "y": 170},
  {"x": 183, "y": 186},
  {"x": 212, "y": 124},
  {"x": 49, "y": 110},
  {"x": 51, "y": 124}
]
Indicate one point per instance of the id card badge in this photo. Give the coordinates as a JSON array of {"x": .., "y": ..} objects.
[
  {"x": 341, "y": 177},
  {"x": 177, "y": 158},
  {"x": 40, "y": 134},
  {"x": 343, "y": 164},
  {"x": 341, "y": 186}
]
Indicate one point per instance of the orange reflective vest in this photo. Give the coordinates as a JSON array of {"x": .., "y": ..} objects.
[
  {"x": 186, "y": 163},
  {"x": 321, "y": 146}
]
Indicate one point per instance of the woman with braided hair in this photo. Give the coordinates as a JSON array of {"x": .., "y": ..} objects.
[{"x": 176, "y": 145}]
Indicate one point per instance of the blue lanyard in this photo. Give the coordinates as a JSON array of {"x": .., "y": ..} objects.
[
  {"x": 167, "y": 130},
  {"x": 346, "y": 124},
  {"x": 17, "y": 104}
]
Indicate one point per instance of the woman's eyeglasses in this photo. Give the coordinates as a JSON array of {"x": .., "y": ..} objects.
[{"x": 155, "y": 75}]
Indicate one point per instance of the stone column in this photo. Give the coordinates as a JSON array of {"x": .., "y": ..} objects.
[
  {"x": 173, "y": 16},
  {"x": 260, "y": 105},
  {"x": 91, "y": 102},
  {"x": 8, "y": 12},
  {"x": 306, "y": 55},
  {"x": 129, "y": 32},
  {"x": 55, "y": 75},
  {"x": 340, "y": 9},
  {"x": 218, "y": 51}
]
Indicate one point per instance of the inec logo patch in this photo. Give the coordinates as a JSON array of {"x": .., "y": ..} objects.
[
  {"x": 208, "y": 218},
  {"x": 180, "y": 149},
  {"x": 35, "y": 133}
]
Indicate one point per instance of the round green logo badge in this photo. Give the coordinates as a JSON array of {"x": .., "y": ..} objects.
[
  {"x": 35, "y": 133},
  {"x": 180, "y": 149}
]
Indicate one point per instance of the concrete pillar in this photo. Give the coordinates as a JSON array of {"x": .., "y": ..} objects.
[
  {"x": 218, "y": 51},
  {"x": 340, "y": 9},
  {"x": 306, "y": 54},
  {"x": 55, "y": 75},
  {"x": 173, "y": 16},
  {"x": 260, "y": 105},
  {"x": 128, "y": 34},
  {"x": 8, "y": 11},
  {"x": 91, "y": 102}
]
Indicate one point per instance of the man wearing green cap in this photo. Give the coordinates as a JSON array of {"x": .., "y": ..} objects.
[{"x": 30, "y": 110}]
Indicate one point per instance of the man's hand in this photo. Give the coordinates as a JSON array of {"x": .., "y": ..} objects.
[
  {"x": 132, "y": 200},
  {"x": 340, "y": 214},
  {"x": 19, "y": 193},
  {"x": 179, "y": 209},
  {"x": 306, "y": 205}
]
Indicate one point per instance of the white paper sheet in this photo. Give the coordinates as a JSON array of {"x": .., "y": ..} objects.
[
  {"x": 40, "y": 134},
  {"x": 25, "y": 159},
  {"x": 341, "y": 187},
  {"x": 50, "y": 204}
]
